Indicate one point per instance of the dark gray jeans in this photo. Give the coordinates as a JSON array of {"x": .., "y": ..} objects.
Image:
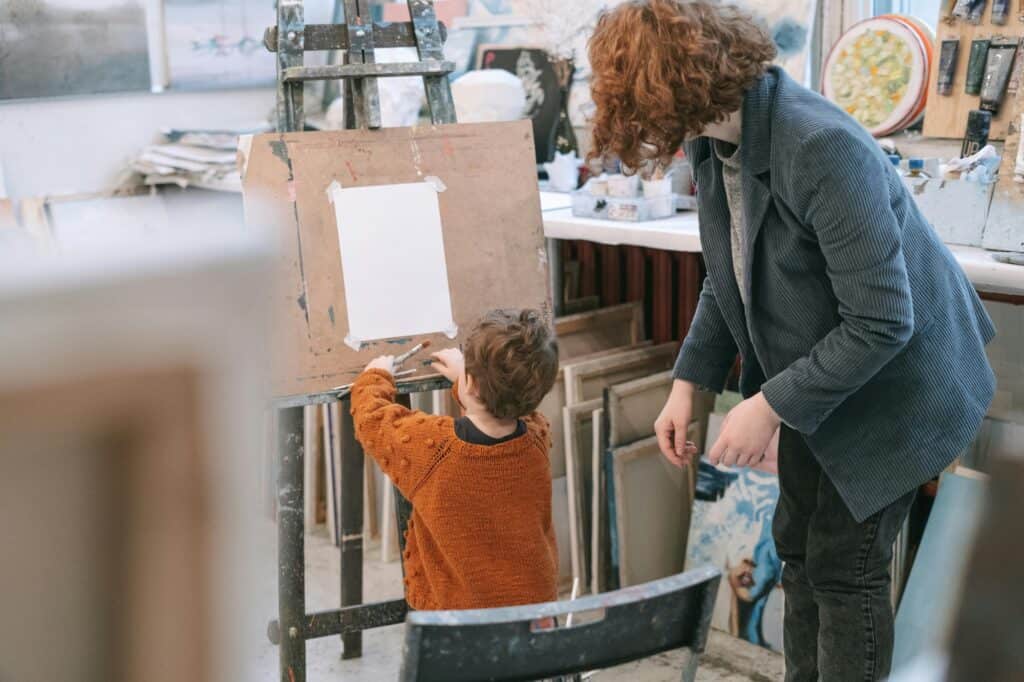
[{"x": 839, "y": 618}]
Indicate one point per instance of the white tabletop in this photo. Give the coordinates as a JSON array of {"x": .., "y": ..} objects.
[
  {"x": 988, "y": 274},
  {"x": 678, "y": 233},
  {"x": 681, "y": 233}
]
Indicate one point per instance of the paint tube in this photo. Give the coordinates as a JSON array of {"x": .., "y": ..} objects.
[
  {"x": 976, "y": 136},
  {"x": 946, "y": 12},
  {"x": 1016, "y": 71},
  {"x": 969, "y": 10},
  {"x": 997, "y": 74},
  {"x": 947, "y": 65},
  {"x": 1000, "y": 12},
  {"x": 976, "y": 66}
]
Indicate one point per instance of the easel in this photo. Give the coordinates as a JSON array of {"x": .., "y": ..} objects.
[{"x": 357, "y": 38}]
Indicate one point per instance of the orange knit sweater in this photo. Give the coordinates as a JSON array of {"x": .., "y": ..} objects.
[{"x": 481, "y": 533}]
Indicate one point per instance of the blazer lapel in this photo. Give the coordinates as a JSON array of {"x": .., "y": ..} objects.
[{"x": 755, "y": 151}]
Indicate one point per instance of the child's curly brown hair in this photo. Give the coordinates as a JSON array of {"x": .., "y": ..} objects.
[
  {"x": 663, "y": 70},
  {"x": 512, "y": 356}
]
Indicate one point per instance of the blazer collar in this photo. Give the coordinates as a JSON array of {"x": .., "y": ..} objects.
[{"x": 756, "y": 140}]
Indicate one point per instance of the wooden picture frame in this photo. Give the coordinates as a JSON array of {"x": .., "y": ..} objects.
[
  {"x": 653, "y": 501},
  {"x": 587, "y": 379},
  {"x": 598, "y": 528},
  {"x": 583, "y": 334},
  {"x": 560, "y": 520},
  {"x": 577, "y": 424},
  {"x": 555, "y": 400},
  {"x": 633, "y": 406}
]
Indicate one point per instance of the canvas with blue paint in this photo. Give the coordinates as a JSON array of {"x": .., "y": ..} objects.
[
  {"x": 731, "y": 530},
  {"x": 790, "y": 24}
]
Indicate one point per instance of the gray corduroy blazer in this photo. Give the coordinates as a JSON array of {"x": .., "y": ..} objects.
[{"x": 861, "y": 328}]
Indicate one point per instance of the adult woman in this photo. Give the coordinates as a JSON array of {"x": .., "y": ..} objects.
[{"x": 858, "y": 333}]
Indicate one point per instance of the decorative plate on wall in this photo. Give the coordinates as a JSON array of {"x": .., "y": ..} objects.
[{"x": 878, "y": 73}]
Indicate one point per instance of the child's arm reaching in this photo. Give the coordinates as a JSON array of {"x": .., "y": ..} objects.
[{"x": 406, "y": 444}]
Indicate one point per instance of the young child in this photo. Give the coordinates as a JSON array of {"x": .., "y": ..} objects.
[{"x": 481, "y": 533}]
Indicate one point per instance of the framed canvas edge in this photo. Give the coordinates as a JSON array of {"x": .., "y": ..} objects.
[
  {"x": 596, "y": 498},
  {"x": 577, "y": 548},
  {"x": 575, "y": 372},
  {"x": 616, "y": 394},
  {"x": 620, "y": 457}
]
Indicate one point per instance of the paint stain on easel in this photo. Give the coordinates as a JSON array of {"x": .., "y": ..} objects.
[
  {"x": 291, "y": 191},
  {"x": 301, "y": 300},
  {"x": 279, "y": 149},
  {"x": 330, "y": 314},
  {"x": 447, "y": 149},
  {"x": 400, "y": 342},
  {"x": 351, "y": 172},
  {"x": 417, "y": 158}
]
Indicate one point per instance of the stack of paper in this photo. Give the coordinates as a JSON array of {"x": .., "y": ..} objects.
[{"x": 197, "y": 158}]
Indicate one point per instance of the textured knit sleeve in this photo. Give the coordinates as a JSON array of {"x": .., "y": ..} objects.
[
  {"x": 709, "y": 350},
  {"x": 840, "y": 190},
  {"x": 406, "y": 444}
]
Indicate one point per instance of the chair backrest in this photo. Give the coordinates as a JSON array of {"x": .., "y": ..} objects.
[{"x": 506, "y": 644}]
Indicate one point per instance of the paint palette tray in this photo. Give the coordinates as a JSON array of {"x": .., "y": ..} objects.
[{"x": 628, "y": 209}]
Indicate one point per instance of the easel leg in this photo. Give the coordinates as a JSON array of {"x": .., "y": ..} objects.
[
  {"x": 351, "y": 527},
  {"x": 291, "y": 566},
  {"x": 554, "y": 249}
]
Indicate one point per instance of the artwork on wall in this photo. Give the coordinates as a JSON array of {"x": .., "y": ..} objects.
[
  {"x": 50, "y": 48},
  {"x": 219, "y": 43},
  {"x": 790, "y": 24},
  {"x": 543, "y": 95},
  {"x": 215, "y": 43},
  {"x": 878, "y": 73}
]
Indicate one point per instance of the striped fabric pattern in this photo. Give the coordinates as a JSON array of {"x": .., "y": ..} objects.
[{"x": 860, "y": 327}]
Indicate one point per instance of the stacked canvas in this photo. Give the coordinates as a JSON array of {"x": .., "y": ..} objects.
[
  {"x": 608, "y": 369},
  {"x": 197, "y": 158}
]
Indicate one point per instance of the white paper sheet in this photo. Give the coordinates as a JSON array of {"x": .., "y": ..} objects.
[{"x": 393, "y": 261}]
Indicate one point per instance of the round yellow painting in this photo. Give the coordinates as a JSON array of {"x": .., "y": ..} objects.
[{"x": 871, "y": 76}]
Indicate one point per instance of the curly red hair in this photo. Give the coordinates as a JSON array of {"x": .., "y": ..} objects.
[{"x": 663, "y": 70}]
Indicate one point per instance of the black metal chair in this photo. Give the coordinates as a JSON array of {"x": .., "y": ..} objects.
[{"x": 507, "y": 644}]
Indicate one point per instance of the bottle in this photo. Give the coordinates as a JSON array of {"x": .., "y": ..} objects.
[
  {"x": 916, "y": 168},
  {"x": 976, "y": 136},
  {"x": 895, "y": 160}
]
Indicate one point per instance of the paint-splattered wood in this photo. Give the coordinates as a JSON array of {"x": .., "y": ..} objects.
[
  {"x": 947, "y": 116},
  {"x": 490, "y": 211},
  {"x": 322, "y": 37}
]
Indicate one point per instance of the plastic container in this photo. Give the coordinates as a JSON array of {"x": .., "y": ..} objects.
[
  {"x": 623, "y": 186},
  {"x": 627, "y": 209}
]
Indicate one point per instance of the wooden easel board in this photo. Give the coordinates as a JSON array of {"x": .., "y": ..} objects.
[
  {"x": 490, "y": 222},
  {"x": 947, "y": 116}
]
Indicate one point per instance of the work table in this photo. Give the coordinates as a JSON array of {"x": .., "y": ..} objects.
[{"x": 681, "y": 233}]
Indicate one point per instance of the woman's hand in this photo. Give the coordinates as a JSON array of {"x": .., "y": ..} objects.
[
  {"x": 384, "y": 362},
  {"x": 449, "y": 363},
  {"x": 671, "y": 424},
  {"x": 746, "y": 433}
]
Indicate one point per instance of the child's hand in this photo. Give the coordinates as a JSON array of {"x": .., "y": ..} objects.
[
  {"x": 449, "y": 363},
  {"x": 384, "y": 362}
]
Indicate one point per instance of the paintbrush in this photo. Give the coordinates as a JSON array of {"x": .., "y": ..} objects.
[
  {"x": 411, "y": 352},
  {"x": 396, "y": 375}
]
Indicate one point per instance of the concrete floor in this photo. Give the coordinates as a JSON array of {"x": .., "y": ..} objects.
[{"x": 726, "y": 660}]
